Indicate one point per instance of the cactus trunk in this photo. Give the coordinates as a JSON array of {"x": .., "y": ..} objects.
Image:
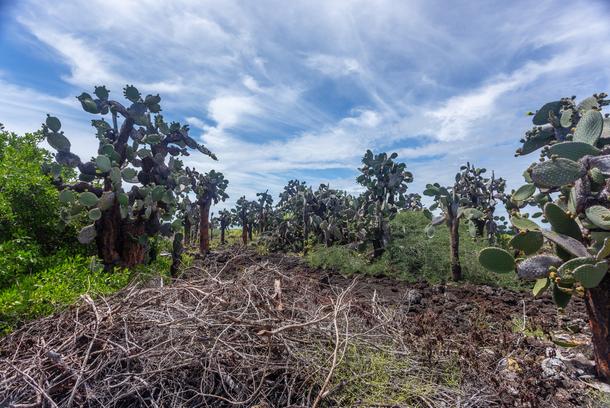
[
  {"x": 597, "y": 301},
  {"x": 244, "y": 233},
  {"x": 454, "y": 237},
  {"x": 204, "y": 228},
  {"x": 250, "y": 228},
  {"x": 117, "y": 240},
  {"x": 187, "y": 232},
  {"x": 222, "y": 235},
  {"x": 177, "y": 250}
]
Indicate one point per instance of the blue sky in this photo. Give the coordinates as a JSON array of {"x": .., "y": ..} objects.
[{"x": 300, "y": 89}]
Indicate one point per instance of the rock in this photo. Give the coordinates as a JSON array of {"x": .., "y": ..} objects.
[
  {"x": 552, "y": 367},
  {"x": 450, "y": 297},
  {"x": 414, "y": 297}
]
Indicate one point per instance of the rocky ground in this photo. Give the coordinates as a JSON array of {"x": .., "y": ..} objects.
[{"x": 241, "y": 329}]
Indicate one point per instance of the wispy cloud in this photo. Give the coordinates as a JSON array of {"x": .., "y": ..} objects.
[{"x": 281, "y": 91}]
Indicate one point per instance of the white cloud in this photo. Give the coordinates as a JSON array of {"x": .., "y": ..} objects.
[
  {"x": 280, "y": 90},
  {"x": 332, "y": 65}
]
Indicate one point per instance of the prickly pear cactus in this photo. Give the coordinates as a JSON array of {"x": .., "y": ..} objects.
[
  {"x": 209, "y": 188},
  {"x": 570, "y": 185},
  {"x": 385, "y": 181},
  {"x": 129, "y": 189}
]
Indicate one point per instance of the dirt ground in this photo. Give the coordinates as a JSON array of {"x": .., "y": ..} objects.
[{"x": 223, "y": 335}]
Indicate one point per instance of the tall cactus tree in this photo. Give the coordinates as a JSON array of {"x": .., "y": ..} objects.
[
  {"x": 386, "y": 185},
  {"x": 241, "y": 216},
  {"x": 473, "y": 198},
  {"x": 264, "y": 208},
  {"x": 571, "y": 183},
  {"x": 134, "y": 152},
  {"x": 209, "y": 188},
  {"x": 225, "y": 219}
]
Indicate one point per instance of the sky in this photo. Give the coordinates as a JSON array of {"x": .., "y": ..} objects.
[{"x": 301, "y": 89}]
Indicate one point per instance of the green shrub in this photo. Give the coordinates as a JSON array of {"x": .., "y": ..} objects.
[
  {"x": 64, "y": 279},
  {"x": 412, "y": 256}
]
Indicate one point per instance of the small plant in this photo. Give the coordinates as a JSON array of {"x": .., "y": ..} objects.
[{"x": 571, "y": 186}]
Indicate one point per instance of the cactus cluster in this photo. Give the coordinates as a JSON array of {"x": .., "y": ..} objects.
[
  {"x": 473, "y": 197},
  {"x": 129, "y": 190},
  {"x": 570, "y": 186}
]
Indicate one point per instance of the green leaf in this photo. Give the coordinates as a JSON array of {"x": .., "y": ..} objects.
[
  {"x": 589, "y": 127},
  {"x": 88, "y": 199},
  {"x": 591, "y": 275},
  {"x": 560, "y": 297},
  {"x": 524, "y": 192},
  {"x": 103, "y": 163},
  {"x": 497, "y": 260},
  {"x": 599, "y": 215},
  {"x": 557, "y": 173},
  {"x": 562, "y": 222},
  {"x": 542, "y": 115},
  {"x": 53, "y": 123},
  {"x": 58, "y": 142},
  {"x": 573, "y": 150},
  {"x": 95, "y": 214},
  {"x": 87, "y": 234},
  {"x": 529, "y": 242},
  {"x": 540, "y": 286},
  {"x": 67, "y": 196},
  {"x": 524, "y": 224},
  {"x": 604, "y": 251}
]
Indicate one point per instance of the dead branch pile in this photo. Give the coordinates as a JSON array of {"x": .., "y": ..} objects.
[{"x": 226, "y": 336}]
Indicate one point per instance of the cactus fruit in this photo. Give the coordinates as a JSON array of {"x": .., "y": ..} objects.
[{"x": 537, "y": 267}]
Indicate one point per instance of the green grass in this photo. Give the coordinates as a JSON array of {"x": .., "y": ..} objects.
[
  {"x": 412, "y": 256},
  {"x": 63, "y": 279},
  {"x": 369, "y": 377}
]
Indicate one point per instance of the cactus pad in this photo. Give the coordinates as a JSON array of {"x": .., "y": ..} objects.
[
  {"x": 568, "y": 244},
  {"x": 524, "y": 192},
  {"x": 590, "y": 276},
  {"x": 87, "y": 234},
  {"x": 599, "y": 215},
  {"x": 589, "y": 128},
  {"x": 58, "y": 141},
  {"x": 556, "y": 173},
  {"x": 573, "y": 150},
  {"x": 497, "y": 260},
  {"x": 528, "y": 242},
  {"x": 562, "y": 222},
  {"x": 542, "y": 115},
  {"x": 523, "y": 224},
  {"x": 540, "y": 286},
  {"x": 537, "y": 267},
  {"x": 88, "y": 199}
]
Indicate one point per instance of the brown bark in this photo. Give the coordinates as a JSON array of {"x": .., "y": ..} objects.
[
  {"x": 244, "y": 233},
  {"x": 187, "y": 232},
  {"x": 454, "y": 237},
  {"x": 597, "y": 301},
  {"x": 204, "y": 228},
  {"x": 117, "y": 240}
]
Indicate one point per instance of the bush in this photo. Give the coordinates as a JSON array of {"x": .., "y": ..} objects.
[
  {"x": 412, "y": 256},
  {"x": 64, "y": 279}
]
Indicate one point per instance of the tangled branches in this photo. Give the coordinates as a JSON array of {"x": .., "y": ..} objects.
[{"x": 224, "y": 336}]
